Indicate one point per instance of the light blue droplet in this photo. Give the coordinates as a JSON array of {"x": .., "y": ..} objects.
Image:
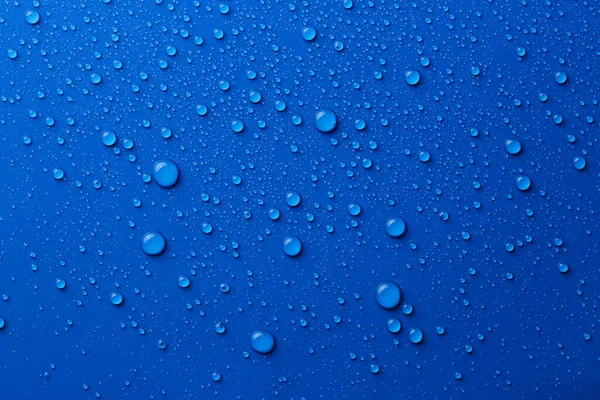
[
  {"x": 412, "y": 77},
  {"x": 293, "y": 199},
  {"x": 201, "y": 110},
  {"x": 415, "y": 335},
  {"x": 563, "y": 268},
  {"x": 309, "y": 33},
  {"x": 395, "y": 227},
  {"x": 237, "y": 126},
  {"x": 183, "y": 282},
  {"x": 60, "y": 284},
  {"x": 32, "y": 17},
  {"x": 153, "y": 243},
  {"x": 512, "y": 146},
  {"x": 523, "y": 182},
  {"x": 393, "y": 325},
  {"x": 560, "y": 77},
  {"x": 58, "y": 174},
  {"x": 388, "y": 295},
  {"x": 95, "y": 78},
  {"x": 292, "y": 246},
  {"x": 262, "y": 342},
  {"x": 325, "y": 121},
  {"x": 116, "y": 298},
  {"x": 109, "y": 138},
  {"x": 354, "y": 209},
  {"x": 254, "y": 96},
  {"x": 424, "y": 156},
  {"x": 579, "y": 163},
  {"x": 165, "y": 173}
]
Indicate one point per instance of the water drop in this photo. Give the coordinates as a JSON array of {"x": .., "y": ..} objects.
[
  {"x": 395, "y": 227},
  {"x": 393, "y": 325},
  {"x": 523, "y": 182},
  {"x": 579, "y": 163},
  {"x": 116, "y": 298},
  {"x": 388, "y": 295},
  {"x": 412, "y": 77},
  {"x": 309, "y": 33},
  {"x": 262, "y": 342},
  {"x": 415, "y": 335},
  {"x": 325, "y": 121},
  {"x": 512, "y": 146},
  {"x": 292, "y": 246},
  {"x": 560, "y": 77},
  {"x": 109, "y": 138},
  {"x": 32, "y": 17},
  {"x": 153, "y": 243},
  {"x": 165, "y": 173}
]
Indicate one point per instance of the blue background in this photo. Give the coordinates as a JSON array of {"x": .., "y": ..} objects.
[{"x": 457, "y": 274}]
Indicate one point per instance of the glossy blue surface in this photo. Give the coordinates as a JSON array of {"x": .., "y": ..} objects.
[{"x": 288, "y": 157}]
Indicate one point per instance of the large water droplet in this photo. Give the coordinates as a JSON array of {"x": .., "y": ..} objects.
[
  {"x": 415, "y": 335},
  {"x": 32, "y": 17},
  {"x": 153, "y": 243},
  {"x": 412, "y": 77},
  {"x": 292, "y": 246},
  {"x": 165, "y": 173},
  {"x": 325, "y": 121},
  {"x": 262, "y": 342},
  {"x": 388, "y": 295},
  {"x": 395, "y": 227}
]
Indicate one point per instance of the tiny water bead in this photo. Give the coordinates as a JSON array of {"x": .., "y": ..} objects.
[
  {"x": 412, "y": 77},
  {"x": 32, "y": 17},
  {"x": 395, "y": 227},
  {"x": 325, "y": 121},
  {"x": 393, "y": 325},
  {"x": 153, "y": 243},
  {"x": 523, "y": 182},
  {"x": 262, "y": 341},
  {"x": 388, "y": 295},
  {"x": 374, "y": 368},
  {"x": 415, "y": 335},
  {"x": 292, "y": 246},
  {"x": 165, "y": 173},
  {"x": 116, "y": 298},
  {"x": 560, "y": 77},
  {"x": 579, "y": 163},
  {"x": 109, "y": 138},
  {"x": 2, "y": 323},
  {"x": 512, "y": 146},
  {"x": 293, "y": 199}
]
